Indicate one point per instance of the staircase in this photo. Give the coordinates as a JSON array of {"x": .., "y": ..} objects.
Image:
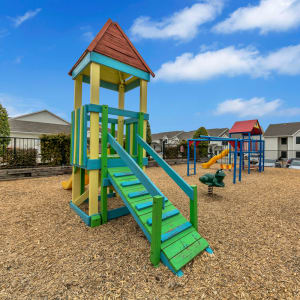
[{"x": 180, "y": 242}]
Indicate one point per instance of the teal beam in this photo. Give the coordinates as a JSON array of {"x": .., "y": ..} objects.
[
  {"x": 132, "y": 85},
  {"x": 103, "y": 84},
  {"x": 86, "y": 60},
  {"x": 117, "y": 65}
]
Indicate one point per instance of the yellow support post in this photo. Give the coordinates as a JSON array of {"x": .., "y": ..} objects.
[
  {"x": 75, "y": 170},
  {"x": 121, "y": 118},
  {"x": 143, "y": 107},
  {"x": 94, "y": 138}
]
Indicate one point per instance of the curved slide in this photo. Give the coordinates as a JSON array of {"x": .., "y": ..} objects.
[
  {"x": 214, "y": 159},
  {"x": 67, "y": 185}
]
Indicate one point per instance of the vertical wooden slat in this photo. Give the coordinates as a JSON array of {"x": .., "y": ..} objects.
[
  {"x": 104, "y": 163},
  {"x": 94, "y": 138},
  {"x": 156, "y": 230},
  {"x": 194, "y": 208},
  {"x": 77, "y": 103},
  {"x": 121, "y": 118},
  {"x": 140, "y": 132},
  {"x": 128, "y": 138},
  {"x": 113, "y": 133},
  {"x": 143, "y": 107}
]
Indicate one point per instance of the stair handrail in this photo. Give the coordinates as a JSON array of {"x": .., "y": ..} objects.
[
  {"x": 135, "y": 168},
  {"x": 163, "y": 164}
]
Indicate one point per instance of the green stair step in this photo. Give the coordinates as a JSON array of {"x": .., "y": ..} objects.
[
  {"x": 172, "y": 223},
  {"x": 181, "y": 244},
  {"x": 166, "y": 236},
  {"x": 188, "y": 254},
  {"x": 148, "y": 211},
  {"x": 145, "y": 205}
]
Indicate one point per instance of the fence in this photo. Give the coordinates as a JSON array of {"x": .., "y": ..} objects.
[{"x": 31, "y": 152}]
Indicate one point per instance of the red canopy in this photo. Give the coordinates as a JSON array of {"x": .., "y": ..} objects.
[{"x": 250, "y": 126}]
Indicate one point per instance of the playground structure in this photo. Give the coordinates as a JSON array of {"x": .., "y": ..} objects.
[
  {"x": 236, "y": 149},
  {"x": 112, "y": 62}
]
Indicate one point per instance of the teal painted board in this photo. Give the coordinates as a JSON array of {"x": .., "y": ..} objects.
[
  {"x": 145, "y": 205},
  {"x": 86, "y": 60},
  {"x": 138, "y": 194},
  {"x": 115, "y": 64},
  {"x": 130, "y": 183},
  {"x": 132, "y": 85},
  {"x": 122, "y": 174},
  {"x": 104, "y": 84},
  {"x": 166, "y": 236},
  {"x": 148, "y": 211},
  {"x": 165, "y": 216}
]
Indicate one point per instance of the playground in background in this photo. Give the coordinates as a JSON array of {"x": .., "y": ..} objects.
[
  {"x": 112, "y": 62},
  {"x": 236, "y": 150}
]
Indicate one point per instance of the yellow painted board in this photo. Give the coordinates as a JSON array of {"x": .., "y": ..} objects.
[
  {"x": 94, "y": 138},
  {"x": 121, "y": 105}
]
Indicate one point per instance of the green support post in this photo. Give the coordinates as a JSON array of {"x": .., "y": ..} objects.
[
  {"x": 82, "y": 181},
  {"x": 140, "y": 133},
  {"x": 113, "y": 133},
  {"x": 156, "y": 230},
  {"x": 104, "y": 163},
  {"x": 128, "y": 138},
  {"x": 194, "y": 208},
  {"x": 134, "y": 142}
]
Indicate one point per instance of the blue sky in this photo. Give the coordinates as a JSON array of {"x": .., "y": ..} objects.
[{"x": 215, "y": 61}]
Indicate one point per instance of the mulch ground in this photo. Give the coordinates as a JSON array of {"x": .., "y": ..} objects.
[{"x": 46, "y": 252}]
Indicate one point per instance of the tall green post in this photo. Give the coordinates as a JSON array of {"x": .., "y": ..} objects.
[
  {"x": 194, "y": 208},
  {"x": 140, "y": 133},
  {"x": 104, "y": 163},
  {"x": 156, "y": 230}
]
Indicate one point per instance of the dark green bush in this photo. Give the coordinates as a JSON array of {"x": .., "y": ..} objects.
[
  {"x": 55, "y": 149},
  {"x": 171, "y": 152},
  {"x": 20, "y": 158}
]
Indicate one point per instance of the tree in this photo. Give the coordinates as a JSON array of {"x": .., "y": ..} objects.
[
  {"x": 4, "y": 125},
  {"x": 4, "y": 129},
  {"x": 202, "y": 146},
  {"x": 148, "y": 134}
]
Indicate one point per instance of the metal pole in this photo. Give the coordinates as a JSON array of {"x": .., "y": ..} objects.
[
  {"x": 194, "y": 157},
  {"x": 234, "y": 167},
  {"x": 240, "y": 165},
  {"x": 249, "y": 152},
  {"x": 188, "y": 157}
]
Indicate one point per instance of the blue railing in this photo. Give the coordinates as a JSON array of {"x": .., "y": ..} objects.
[
  {"x": 180, "y": 182},
  {"x": 134, "y": 167}
]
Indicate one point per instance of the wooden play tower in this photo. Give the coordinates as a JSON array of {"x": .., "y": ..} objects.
[{"x": 112, "y": 62}]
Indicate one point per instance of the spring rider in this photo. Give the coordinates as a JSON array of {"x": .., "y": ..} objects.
[{"x": 212, "y": 180}]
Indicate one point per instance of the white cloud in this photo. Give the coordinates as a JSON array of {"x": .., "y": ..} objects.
[
  {"x": 3, "y": 33},
  {"x": 18, "y": 60},
  {"x": 255, "y": 107},
  {"x": 182, "y": 25},
  {"x": 231, "y": 61},
  {"x": 16, "y": 106},
  {"x": 88, "y": 36},
  {"x": 247, "y": 108},
  {"x": 268, "y": 15},
  {"x": 28, "y": 15}
]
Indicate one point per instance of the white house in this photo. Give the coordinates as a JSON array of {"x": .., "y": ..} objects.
[
  {"x": 35, "y": 124},
  {"x": 282, "y": 141}
]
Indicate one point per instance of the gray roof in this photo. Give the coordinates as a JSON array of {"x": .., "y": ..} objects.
[
  {"x": 184, "y": 136},
  {"x": 217, "y": 131},
  {"x": 168, "y": 134},
  {"x": 37, "y": 127},
  {"x": 283, "y": 129}
]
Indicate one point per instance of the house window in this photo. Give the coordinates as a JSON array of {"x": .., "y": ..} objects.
[
  {"x": 283, "y": 154},
  {"x": 283, "y": 141},
  {"x": 297, "y": 154},
  {"x": 297, "y": 139}
]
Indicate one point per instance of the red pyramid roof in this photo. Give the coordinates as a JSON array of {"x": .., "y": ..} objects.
[
  {"x": 111, "y": 41},
  {"x": 251, "y": 126}
]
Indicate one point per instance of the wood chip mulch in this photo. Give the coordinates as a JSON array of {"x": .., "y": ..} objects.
[{"x": 46, "y": 251}]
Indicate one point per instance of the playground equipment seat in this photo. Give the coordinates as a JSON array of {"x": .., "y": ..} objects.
[{"x": 214, "y": 179}]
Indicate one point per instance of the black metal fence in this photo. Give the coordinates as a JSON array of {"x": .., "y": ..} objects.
[{"x": 28, "y": 152}]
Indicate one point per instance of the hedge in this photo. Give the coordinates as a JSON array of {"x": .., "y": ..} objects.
[
  {"x": 55, "y": 149},
  {"x": 20, "y": 158}
]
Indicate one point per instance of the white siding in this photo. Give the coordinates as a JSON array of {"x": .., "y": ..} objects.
[
  {"x": 43, "y": 117},
  {"x": 271, "y": 147},
  {"x": 296, "y": 147}
]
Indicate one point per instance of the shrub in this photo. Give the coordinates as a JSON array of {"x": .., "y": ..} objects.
[
  {"x": 171, "y": 152},
  {"x": 55, "y": 149},
  {"x": 20, "y": 158}
]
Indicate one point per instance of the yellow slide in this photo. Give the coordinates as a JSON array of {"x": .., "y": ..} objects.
[
  {"x": 214, "y": 159},
  {"x": 67, "y": 185}
]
